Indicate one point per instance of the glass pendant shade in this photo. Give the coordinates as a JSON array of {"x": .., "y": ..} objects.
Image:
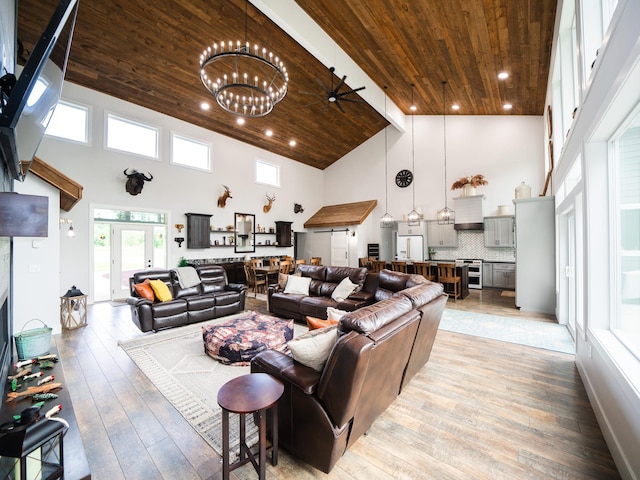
[
  {"x": 446, "y": 216},
  {"x": 413, "y": 218},
  {"x": 386, "y": 221}
]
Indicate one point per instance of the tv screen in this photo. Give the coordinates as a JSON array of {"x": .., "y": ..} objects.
[{"x": 32, "y": 100}]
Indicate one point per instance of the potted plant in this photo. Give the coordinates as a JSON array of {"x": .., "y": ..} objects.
[{"x": 469, "y": 184}]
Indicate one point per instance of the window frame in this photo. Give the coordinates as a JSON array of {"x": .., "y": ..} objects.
[
  {"x": 172, "y": 161},
  {"x": 259, "y": 161},
  {"x": 120, "y": 117},
  {"x": 87, "y": 123}
]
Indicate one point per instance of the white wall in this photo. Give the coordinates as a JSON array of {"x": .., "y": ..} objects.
[{"x": 505, "y": 149}]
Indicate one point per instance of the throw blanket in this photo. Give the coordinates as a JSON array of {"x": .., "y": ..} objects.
[{"x": 188, "y": 277}]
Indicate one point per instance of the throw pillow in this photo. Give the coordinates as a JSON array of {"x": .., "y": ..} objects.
[
  {"x": 161, "y": 290},
  {"x": 335, "y": 313},
  {"x": 315, "y": 323},
  {"x": 313, "y": 348},
  {"x": 343, "y": 290},
  {"x": 144, "y": 290},
  {"x": 299, "y": 285}
]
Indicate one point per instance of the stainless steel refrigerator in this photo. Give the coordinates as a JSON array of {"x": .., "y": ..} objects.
[{"x": 410, "y": 247}]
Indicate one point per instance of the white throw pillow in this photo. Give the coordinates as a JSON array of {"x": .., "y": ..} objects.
[
  {"x": 335, "y": 314},
  {"x": 314, "y": 347},
  {"x": 343, "y": 290},
  {"x": 298, "y": 285}
]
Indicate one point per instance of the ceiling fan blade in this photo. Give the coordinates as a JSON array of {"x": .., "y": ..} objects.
[
  {"x": 353, "y": 100},
  {"x": 337, "y": 103},
  {"x": 340, "y": 84},
  {"x": 316, "y": 94},
  {"x": 325, "y": 89},
  {"x": 352, "y": 91}
]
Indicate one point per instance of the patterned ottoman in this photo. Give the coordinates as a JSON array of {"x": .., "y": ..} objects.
[{"x": 238, "y": 340}]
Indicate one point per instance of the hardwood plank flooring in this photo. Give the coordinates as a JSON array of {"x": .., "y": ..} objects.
[{"x": 479, "y": 409}]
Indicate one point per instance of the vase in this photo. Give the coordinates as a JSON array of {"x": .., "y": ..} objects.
[{"x": 468, "y": 190}]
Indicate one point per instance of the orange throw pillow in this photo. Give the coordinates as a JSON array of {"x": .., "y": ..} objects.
[
  {"x": 314, "y": 323},
  {"x": 144, "y": 290}
]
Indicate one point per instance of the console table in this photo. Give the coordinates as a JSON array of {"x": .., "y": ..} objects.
[{"x": 76, "y": 466}]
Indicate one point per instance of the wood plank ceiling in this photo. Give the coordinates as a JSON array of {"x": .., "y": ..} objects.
[{"x": 147, "y": 53}]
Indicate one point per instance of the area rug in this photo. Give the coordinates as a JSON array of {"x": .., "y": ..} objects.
[
  {"x": 550, "y": 336},
  {"x": 175, "y": 361}
]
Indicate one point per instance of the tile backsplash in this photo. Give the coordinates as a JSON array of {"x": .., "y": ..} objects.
[{"x": 471, "y": 245}]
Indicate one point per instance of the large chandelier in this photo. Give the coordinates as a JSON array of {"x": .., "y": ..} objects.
[
  {"x": 245, "y": 81},
  {"x": 386, "y": 221},
  {"x": 446, "y": 215}
]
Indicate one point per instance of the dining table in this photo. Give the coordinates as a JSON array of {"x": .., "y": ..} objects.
[{"x": 270, "y": 271}]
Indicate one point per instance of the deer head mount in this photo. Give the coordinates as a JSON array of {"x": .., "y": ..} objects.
[
  {"x": 270, "y": 201},
  {"x": 222, "y": 199},
  {"x": 135, "y": 181}
]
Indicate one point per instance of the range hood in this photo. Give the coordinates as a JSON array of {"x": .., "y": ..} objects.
[{"x": 469, "y": 212}]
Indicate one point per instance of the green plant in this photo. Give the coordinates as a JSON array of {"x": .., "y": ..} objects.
[{"x": 183, "y": 262}]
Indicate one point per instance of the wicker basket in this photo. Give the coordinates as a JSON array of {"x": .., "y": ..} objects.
[{"x": 34, "y": 342}]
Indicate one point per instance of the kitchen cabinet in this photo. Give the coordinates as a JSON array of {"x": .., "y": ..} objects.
[
  {"x": 499, "y": 275},
  {"x": 405, "y": 229},
  {"x": 441, "y": 235},
  {"x": 198, "y": 228},
  {"x": 499, "y": 231}
]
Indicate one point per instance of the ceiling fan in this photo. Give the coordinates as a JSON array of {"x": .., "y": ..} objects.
[{"x": 333, "y": 95}]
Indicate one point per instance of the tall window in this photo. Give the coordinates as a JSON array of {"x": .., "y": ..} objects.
[
  {"x": 69, "y": 121},
  {"x": 131, "y": 137},
  {"x": 267, "y": 173},
  {"x": 626, "y": 321},
  {"x": 190, "y": 153}
]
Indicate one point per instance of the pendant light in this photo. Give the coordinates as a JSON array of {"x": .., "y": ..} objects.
[
  {"x": 446, "y": 215},
  {"x": 413, "y": 218},
  {"x": 386, "y": 221}
]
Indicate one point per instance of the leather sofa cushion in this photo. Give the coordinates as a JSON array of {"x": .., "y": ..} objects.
[
  {"x": 227, "y": 298},
  {"x": 167, "y": 309},
  {"x": 179, "y": 292},
  {"x": 368, "y": 319},
  {"x": 394, "y": 281},
  {"x": 213, "y": 278},
  {"x": 422, "y": 294},
  {"x": 200, "y": 303},
  {"x": 336, "y": 274},
  {"x": 316, "y": 272}
]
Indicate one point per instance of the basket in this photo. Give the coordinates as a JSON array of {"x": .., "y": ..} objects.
[{"x": 34, "y": 342}]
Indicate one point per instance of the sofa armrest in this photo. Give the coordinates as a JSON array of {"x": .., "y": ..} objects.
[
  {"x": 274, "y": 288},
  {"x": 362, "y": 296},
  {"x": 286, "y": 369},
  {"x": 236, "y": 287},
  {"x": 136, "y": 301}
]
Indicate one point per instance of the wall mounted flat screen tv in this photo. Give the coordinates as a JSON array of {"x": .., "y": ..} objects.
[{"x": 28, "y": 107}]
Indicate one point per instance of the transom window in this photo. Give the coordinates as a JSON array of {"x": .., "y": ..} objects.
[
  {"x": 69, "y": 121},
  {"x": 131, "y": 137},
  {"x": 190, "y": 153},
  {"x": 267, "y": 174},
  {"x": 126, "y": 216}
]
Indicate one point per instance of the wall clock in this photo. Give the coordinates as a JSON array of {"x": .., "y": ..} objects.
[{"x": 404, "y": 178}]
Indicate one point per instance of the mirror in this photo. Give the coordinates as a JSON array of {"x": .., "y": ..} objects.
[{"x": 245, "y": 233}]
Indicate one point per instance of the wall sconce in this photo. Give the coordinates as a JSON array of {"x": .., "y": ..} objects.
[
  {"x": 179, "y": 241},
  {"x": 71, "y": 232},
  {"x": 179, "y": 227}
]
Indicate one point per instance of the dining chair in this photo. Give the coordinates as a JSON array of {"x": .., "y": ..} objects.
[
  {"x": 398, "y": 266},
  {"x": 316, "y": 261},
  {"x": 451, "y": 282},
  {"x": 285, "y": 267},
  {"x": 256, "y": 262},
  {"x": 254, "y": 280},
  {"x": 378, "y": 265},
  {"x": 424, "y": 269},
  {"x": 274, "y": 261}
]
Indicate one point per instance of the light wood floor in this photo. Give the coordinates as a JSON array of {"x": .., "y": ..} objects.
[{"x": 479, "y": 409}]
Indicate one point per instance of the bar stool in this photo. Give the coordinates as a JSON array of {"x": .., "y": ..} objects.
[
  {"x": 398, "y": 266},
  {"x": 256, "y": 393}
]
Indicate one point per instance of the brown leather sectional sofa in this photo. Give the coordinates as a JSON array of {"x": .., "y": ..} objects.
[
  {"x": 325, "y": 279},
  {"x": 379, "y": 349},
  {"x": 214, "y": 297}
]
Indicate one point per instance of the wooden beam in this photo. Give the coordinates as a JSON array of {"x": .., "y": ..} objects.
[
  {"x": 341, "y": 215},
  {"x": 70, "y": 191}
]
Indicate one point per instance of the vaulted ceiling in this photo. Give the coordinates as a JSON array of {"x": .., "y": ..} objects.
[{"x": 147, "y": 53}]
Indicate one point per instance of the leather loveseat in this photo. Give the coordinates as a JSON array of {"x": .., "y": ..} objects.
[
  {"x": 325, "y": 279},
  {"x": 379, "y": 349},
  {"x": 212, "y": 298}
]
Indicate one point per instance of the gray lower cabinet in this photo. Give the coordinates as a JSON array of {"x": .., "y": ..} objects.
[{"x": 499, "y": 275}]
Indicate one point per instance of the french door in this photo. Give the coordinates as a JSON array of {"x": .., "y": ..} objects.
[{"x": 134, "y": 248}]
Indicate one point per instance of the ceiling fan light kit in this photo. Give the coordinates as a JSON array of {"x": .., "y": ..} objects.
[{"x": 244, "y": 80}]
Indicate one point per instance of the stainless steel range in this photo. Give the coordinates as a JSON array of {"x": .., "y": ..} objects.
[{"x": 475, "y": 271}]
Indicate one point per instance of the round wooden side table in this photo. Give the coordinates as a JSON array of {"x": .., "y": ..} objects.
[{"x": 254, "y": 393}]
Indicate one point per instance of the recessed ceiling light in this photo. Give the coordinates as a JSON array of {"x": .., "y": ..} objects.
[
  {"x": 292, "y": 143},
  {"x": 240, "y": 121},
  {"x": 503, "y": 75},
  {"x": 455, "y": 106},
  {"x": 204, "y": 106},
  {"x": 507, "y": 106},
  {"x": 269, "y": 133},
  {"x": 413, "y": 108}
]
